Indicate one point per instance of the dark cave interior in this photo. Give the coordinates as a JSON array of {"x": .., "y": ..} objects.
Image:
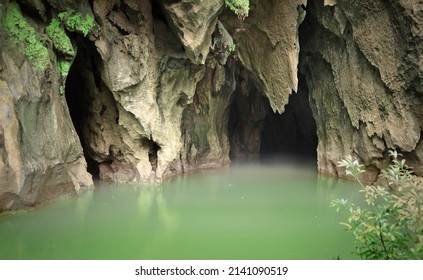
[
  {"x": 78, "y": 101},
  {"x": 256, "y": 132},
  {"x": 293, "y": 133}
]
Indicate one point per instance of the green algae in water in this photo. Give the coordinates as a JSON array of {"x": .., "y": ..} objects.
[
  {"x": 244, "y": 212},
  {"x": 23, "y": 35}
]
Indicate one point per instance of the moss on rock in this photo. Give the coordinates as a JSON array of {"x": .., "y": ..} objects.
[
  {"x": 239, "y": 7},
  {"x": 75, "y": 21},
  {"x": 63, "y": 66},
  {"x": 25, "y": 37},
  {"x": 60, "y": 39}
]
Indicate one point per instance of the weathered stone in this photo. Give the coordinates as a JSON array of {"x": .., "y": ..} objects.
[
  {"x": 177, "y": 89},
  {"x": 148, "y": 86},
  {"x": 193, "y": 21},
  {"x": 63, "y": 5},
  {"x": 267, "y": 45},
  {"x": 106, "y": 141},
  {"x": 362, "y": 68},
  {"x": 40, "y": 154},
  {"x": 248, "y": 111},
  {"x": 123, "y": 69},
  {"x": 223, "y": 44},
  {"x": 330, "y": 2},
  {"x": 10, "y": 153},
  {"x": 36, "y": 5},
  {"x": 205, "y": 121}
]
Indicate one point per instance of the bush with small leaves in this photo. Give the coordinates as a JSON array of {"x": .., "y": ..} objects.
[{"x": 391, "y": 225}]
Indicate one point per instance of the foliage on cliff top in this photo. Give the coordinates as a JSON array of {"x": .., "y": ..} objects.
[
  {"x": 60, "y": 39},
  {"x": 239, "y": 7},
  {"x": 75, "y": 21},
  {"x": 23, "y": 35},
  {"x": 391, "y": 227}
]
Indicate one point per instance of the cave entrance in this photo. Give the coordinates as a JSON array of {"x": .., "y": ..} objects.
[
  {"x": 153, "y": 149},
  {"x": 292, "y": 134},
  {"x": 78, "y": 100},
  {"x": 256, "y": 132}
]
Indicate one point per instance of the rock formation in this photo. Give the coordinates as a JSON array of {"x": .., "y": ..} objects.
[
  {"x": 143, "y": 90},
  {"x": 363, "y": 67},
  {"x": 41, "y": 157}
]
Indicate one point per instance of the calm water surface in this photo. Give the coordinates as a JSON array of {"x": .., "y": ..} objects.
[{"x": 242, "y": 212}]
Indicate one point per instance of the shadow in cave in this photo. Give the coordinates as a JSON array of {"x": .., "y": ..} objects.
[
  {"x": 291, "y": 135},
  {"x": 256, "y": 132},
  {"x": 78, "y": 102}
]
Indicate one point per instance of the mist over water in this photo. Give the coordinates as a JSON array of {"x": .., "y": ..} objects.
[{"x": 250, "y": 211}]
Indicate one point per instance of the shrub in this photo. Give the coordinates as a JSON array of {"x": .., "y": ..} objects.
[{"x": 391, "y": 224}]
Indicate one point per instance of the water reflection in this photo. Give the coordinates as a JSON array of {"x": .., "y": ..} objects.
[
  {"x": 152, "y": 205},
  {"x": 266, "y": 211},
  {"x": 82, "y": 205}
]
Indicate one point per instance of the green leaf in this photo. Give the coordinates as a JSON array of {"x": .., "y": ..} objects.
[{"x": 395, "y": 216}]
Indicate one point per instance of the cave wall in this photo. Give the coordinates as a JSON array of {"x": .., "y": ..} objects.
[
  {"x": 41, "y": 157},
  {"x": 248, "y": 112},
  {"x": 267, "y": 45},
  {"x": 154, "y": 68},
  {"x": 173, "y": 78},
  {"x": 205, "y": 121},
  {"x": 363, "y": 66}
]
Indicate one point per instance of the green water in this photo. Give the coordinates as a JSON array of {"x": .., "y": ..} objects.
[{"x": 242, "y": 212}]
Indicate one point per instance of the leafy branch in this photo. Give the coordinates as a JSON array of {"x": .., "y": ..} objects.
[{"x": 391, "y": 225}]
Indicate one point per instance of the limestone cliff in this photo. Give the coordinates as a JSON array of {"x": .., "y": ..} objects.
[
  {"x": 41, "y": 157},
  {"x": 364, "y": 72},
  {"x": 143, "y": 90}
]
